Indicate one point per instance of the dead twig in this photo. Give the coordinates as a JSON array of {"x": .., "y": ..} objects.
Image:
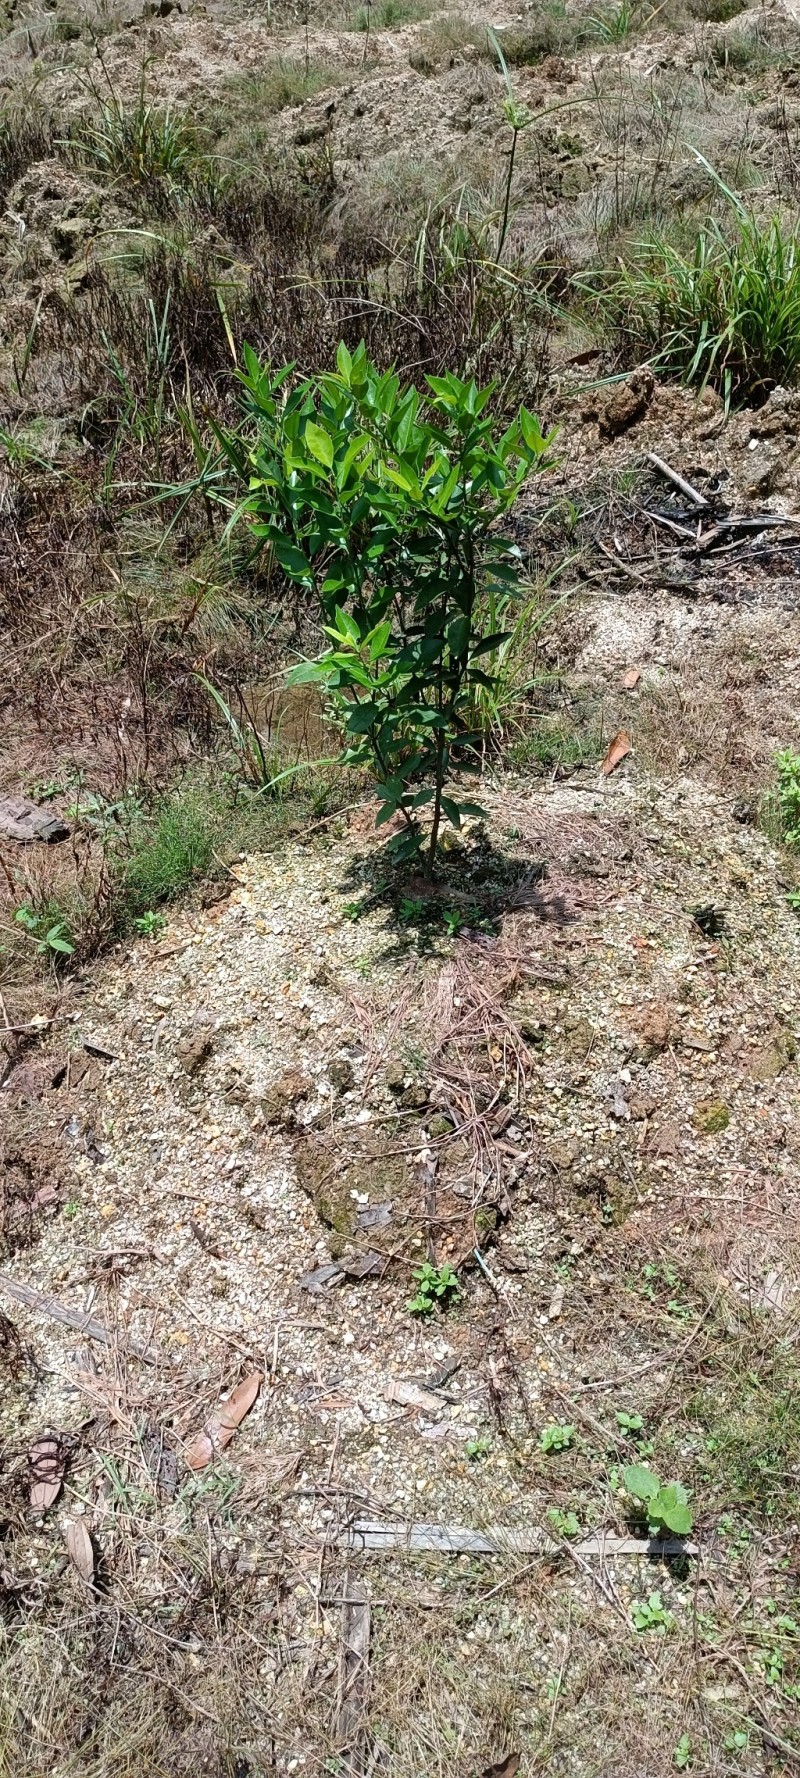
[
  {"x": 84, "y": 1324},
  {"x": 678, "y": 481}
]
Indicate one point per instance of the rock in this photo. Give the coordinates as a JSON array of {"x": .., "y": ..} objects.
[
  {"x": 770, "y": 1061},
  {"x": 195, "y": 1046},
  {"x": 665, "y": 1141},
  {"x": 311, "y": 132},
  {"x": 533, "y": 1020},
  {"x": 415, "y": 1097},
  {"x": 712, "y": 1117},
  {"x": 511, "y": 1259},
  {"x": 24, "y": 821},
  {"x": 628, "y": 403},
  {"x": 281, "y": 1099},
  {"x": 655, "y": 1028},
  {"x": 71, "y": 234},
  {"x": 395, "y": 1077},
  {"x": 556, "y": 1303},
  {"x": 564, "y": 1152},
  {"x": 642, "y": 1104},
  {"x": 579, "y": 1040},
  {"x": 439, "y": 1125},
  {"x": 340, "y": 1074}
]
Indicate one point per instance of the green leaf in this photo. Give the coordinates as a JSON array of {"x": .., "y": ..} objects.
[
  {"x": 54, "y": 942},
  {"x": 319, "y": 443},
  {"x": 362, "y": 718},
  {"x": 669, "y": 1505},
  {"x": 452, "y": 810},
  {"x": 679, "y": 1520},
  {"x": 307, "y": 673},
  {"x": 344, "y": 361},
  {"x": 377, "y": 639},
  {"x": 490, "y": 643},
  {"x": 291, "y": 559},
  {"x": 640, "y": 1481},
  {"x": 458, "y": 636}
]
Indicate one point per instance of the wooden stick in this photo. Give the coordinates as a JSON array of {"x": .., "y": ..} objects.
[
  {"x": 353, "y": 1676},
  {"x": 498, "y": 1540},
  {"x": 677, "y": 480},
  {"x": 85, "y": 1324}
]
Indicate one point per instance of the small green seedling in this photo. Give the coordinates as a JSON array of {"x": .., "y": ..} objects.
[
  {"x": 556, "y": 1438},
  {"x": 665, "y": 1505},
  {"x": 737, "y": 1742},
  {"x": 352, "y": 910},
  {"x": 649, "y": 1614},
  {"x": 683, "y": 1753},
  {"x": 453, "y": 921},
  {"x": 564, "y": 1524},
  {"x": 150, "y": 924},
  {"x": 54, "y": 940},
  {"x": 437, "y": 1287},
  {"x": 477, "y": 1448},
  {"x": 629, "y": 1422},
  {"x": 411, "y": 911}
]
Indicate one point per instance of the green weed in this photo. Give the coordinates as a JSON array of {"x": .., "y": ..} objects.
[
  {"x": 556, "y": 1438},
  {"x": 170, "y": 848},
  {"x": 665, "y": 1505},
  {"x": 50, "y": 931},
  {"x": 564, "y": 1524},
  {"x": 787, "y": 766},
  {"x": 445, "y": 38},
  {"x": 615, "y": 23},
  {"x": 139, "y": 145},
  {"x": 650, "y": 1614},
  {"x": 726, "y": 313},
  {"x": 751, "y": 1419},
  {"x": 280, "y": 84},
  {"x": 437, "y": 1287},
  {"x": 150, "y": 924},
  {"x": 553, "y": 743},
  {"x": 388, "y": 14}
]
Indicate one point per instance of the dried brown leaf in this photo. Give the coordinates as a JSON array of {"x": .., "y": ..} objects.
[
  {"x": 79, "y": 1546},
  {"x": 505, "y": 1768},
  {"x": 223, "y": 1423},
  {"x": 47, "y": 1459},
  {"x": 618, "y": 749},
  {"x": 630, "y": 680}
]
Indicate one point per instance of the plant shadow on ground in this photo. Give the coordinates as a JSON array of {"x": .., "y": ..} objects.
[{"x": 474, "y": 886}]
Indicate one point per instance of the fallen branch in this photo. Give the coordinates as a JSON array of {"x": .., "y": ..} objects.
[
  {"x": 678, "y": 481},
  {"x": 84, "y": 1324}
]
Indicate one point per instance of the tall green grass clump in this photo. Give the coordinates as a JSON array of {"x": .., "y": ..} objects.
[
  {"x": 139, "y": 144},
  {"x": 170, "y": 847},
  {"x": 726, "y": 313}
]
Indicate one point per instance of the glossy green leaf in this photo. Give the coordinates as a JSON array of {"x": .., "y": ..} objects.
[
  {"x": 319, "y": 443},
  {"x": 640, "y": 1481}
]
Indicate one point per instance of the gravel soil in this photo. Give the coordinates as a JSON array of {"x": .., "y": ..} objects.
[{"x": 643, "y": 1209}]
